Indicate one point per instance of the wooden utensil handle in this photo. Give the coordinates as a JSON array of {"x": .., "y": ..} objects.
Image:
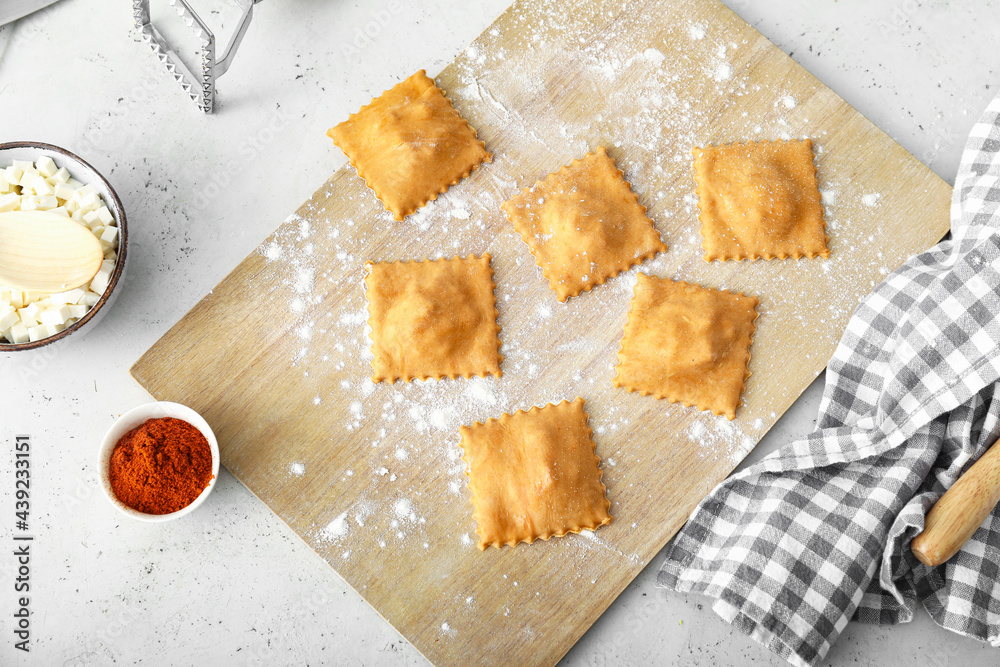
[{"x": 960, "y": 511}]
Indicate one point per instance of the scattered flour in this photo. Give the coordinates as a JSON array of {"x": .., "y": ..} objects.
[
  {"x": 788, "y": 101},
  {"x": 403, "y": 508},
  {"x": 297, "y": 469},
  {"x": 336, "y": 529},
  {"x": 696, "y": 31},
  {"x": 480, "y": 392},
  {"x": 723, "y": 72},
  {"x": 871, "y": 199},
  {"x": 654, "y": 56}
]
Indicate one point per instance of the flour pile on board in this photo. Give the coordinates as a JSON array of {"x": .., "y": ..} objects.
[{"x": 336, "y": 529}]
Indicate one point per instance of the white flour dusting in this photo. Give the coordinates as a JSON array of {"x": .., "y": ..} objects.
[
  {"x": 297, "y": 469},
  {"x": 404, "y": 508},
  {"x": 336, "y": 529},
  {"x": 871, "y": 199},
  {"x": 722, "y": 72},
  {"x": 654, "y": 56}
]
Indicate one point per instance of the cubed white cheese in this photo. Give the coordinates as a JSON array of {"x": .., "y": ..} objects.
[
  {"x": 13, "y": 174},
  {"x": 42, "y": 187},
  {"x": 17, "y": 334},
  {"x": 8, "y": 317},
  {"x": 105, "y": 215},
  {"x": 54, "y": 316},
  {"x": 46, "y": 167},
  {"x": 91, "y": 201},
  {"x": 47, "y": 203},
  {"x": 35, "y": 315},
  {"x": 28, "y": 177},
  {"x": 37, "y": 332},
  {"x": 30, "y": 311},
  {"x": 9, "y": 201},
  {"x": 70, "y": 296},
  {"x": 63, "y": 191},
  {"x": 52, "y": 329},
  {"x": 100, "y": 281},
  {"x": 32, "y": 295},
  {"x": 61, "y": 176}
]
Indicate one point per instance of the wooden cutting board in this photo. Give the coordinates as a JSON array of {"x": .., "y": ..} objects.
[{"x": 370, "y": 476}]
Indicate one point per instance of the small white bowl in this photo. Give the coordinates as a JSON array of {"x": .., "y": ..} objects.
[{"x": 136, "y": 417}]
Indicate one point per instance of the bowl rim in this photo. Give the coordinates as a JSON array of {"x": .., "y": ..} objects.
[
  {"x": 119, "y": 214},
  {"x": 135, "y": 417}
]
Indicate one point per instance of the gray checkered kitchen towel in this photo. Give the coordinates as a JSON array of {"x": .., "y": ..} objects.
[{"x": 819, "y": 532}]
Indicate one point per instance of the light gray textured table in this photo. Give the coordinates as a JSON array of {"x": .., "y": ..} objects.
[{"x": 231, "y": 584}]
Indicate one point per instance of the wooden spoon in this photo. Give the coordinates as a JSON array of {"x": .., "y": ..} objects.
[
  {"x": 46, "y": 252},
  {"x": 960, "y": 511}
]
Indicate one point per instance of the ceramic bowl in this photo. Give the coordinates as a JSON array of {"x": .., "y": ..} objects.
[
  {"x": 83, "y": 172},
  {"x": 135, "y": 417}
]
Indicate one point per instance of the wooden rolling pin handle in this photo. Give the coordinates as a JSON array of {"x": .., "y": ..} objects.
[{"x": 960, "y": 511}]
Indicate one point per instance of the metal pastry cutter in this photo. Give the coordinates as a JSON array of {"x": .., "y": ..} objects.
[{"x": 201, "y": 89}]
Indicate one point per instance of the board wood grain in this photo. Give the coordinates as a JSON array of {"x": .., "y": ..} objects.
[{"x": 275, "y": 357}]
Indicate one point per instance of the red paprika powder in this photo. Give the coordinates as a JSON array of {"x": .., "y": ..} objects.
[{"x": 161, "y": 466}]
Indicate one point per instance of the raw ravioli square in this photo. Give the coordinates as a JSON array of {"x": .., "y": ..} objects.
[
  {"x": 584, "y": 224},
  {"x": 433, "y": 319},
  {"x": 688, "y": 344},
  {"x": 534, "y": 474},
  {"x": 759, "y": 200},
  {"x": 409, "y": 144}
]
